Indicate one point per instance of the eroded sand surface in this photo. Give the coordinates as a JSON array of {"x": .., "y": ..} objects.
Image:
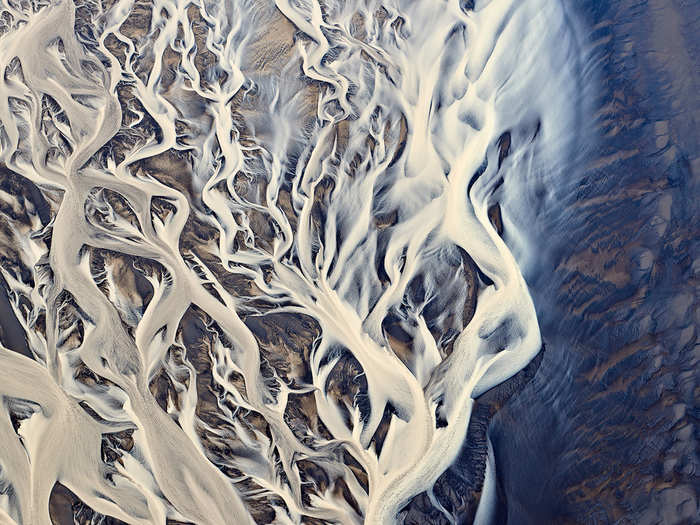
[{"x": 256, "y": 250}]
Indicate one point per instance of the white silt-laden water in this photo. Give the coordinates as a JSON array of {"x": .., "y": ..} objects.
[{"x": 346, "y": 156}]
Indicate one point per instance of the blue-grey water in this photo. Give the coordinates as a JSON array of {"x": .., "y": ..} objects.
[{"x": 607, "y": 431}]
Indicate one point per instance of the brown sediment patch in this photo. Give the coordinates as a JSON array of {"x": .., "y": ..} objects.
[
  {"x": 400, "y": 341},
  {"x": 319, "y": 209},
  {"x": 162, "y": 389},
  {"x": 357, "y": 470},
  {"x": 494, "y": 213},
  {"x": 70, "y": 322},
  {"x": 138, "y": 23},
  {"x": 65, "y": 508},
  {"x": 347, "y": 386},
  {"x": 130, "y": 285},
  {"x": 162, "y": 208},
  {"x": 286, "y": 341},
  {"x": 117, "y": 203},
  {"x": 171, "y": 168},
  {"x": 312, "y": 474},
  {"x": 117, "y": 48},
  {"x": 382, "y": 430},
  {"x": 503, "y": 147},
  {"x": 340, "y": 488},
  {"x": 115, "y": 444},
  {"x": 204, "y": 60},
  {"x": 274, "y": 48},
  {"x": 301, "y": 415},
  {"x": 87, "y": 377},
  {"x": 12, "y": 334},
  {"x": 20, "y": 198},
  {"x": 171, "y": 59}
]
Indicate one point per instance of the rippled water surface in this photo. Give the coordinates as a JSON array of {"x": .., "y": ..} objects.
[{"x": 316, "y": 261}]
